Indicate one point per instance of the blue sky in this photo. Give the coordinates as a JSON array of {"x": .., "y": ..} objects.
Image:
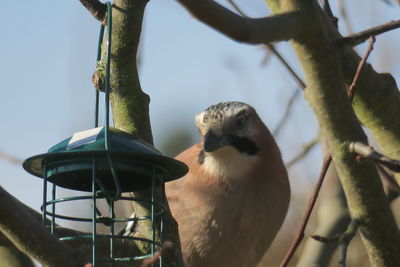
[{"x": 48, "y": 51}]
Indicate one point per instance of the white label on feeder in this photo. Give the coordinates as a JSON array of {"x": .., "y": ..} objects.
[{"x": 84, "y": 138}]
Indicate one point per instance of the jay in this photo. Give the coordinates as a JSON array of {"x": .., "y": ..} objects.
[{"x": 232, "y": 202}]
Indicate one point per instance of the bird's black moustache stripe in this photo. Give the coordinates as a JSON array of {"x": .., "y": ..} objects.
[{"x": 243, "y": 144}]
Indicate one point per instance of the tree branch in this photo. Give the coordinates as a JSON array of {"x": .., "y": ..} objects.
[
  {"x": 360, "y": 67},
  {"x": 284, "y": 62},
  {"x": 376, "y": 109},
  {"x": 130, "y": 107},
  {"x": 343, "y": 13},
  {"x": 332, "y": 219},
  {"x": 97, "y": 9},
  {"x": 326, "y": 93},
  {"x": 26, "y": 232},
  {"x": 304, "y": 152},
  {"x": 272, "y": 49},
  {"x": 328, "y": 11},
  {"x": 300, "y": 234},
  {"x": 368, "y": 152},
  {"x": 286, "y": 114},
  {"x": 343, "y": 239},
  {"x": 358, "y": 38},
  {"x": 10, "y": 158},
  {"x": 247, "y": 30},
  {"x": 23, "y": 230},
  {"x": 392, "y": 188}
]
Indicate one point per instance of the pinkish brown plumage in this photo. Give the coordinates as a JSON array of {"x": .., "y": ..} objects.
[{"x": 232, "y": 202}]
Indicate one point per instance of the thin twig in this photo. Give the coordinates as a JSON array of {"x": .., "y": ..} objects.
[
  {"x": 358, "y": 38},
  {"x": 236, "y": 7},
  {"x": 344, "y": 239},
  {"x": 271, "y": 48},
  {"x": 327, "y": 8},
  {"x": 286, "y": 114},
  {"x": 360, "y": 67},
  {"x": 392, "y": 187},
  {"x": 296, "y": 77},
  {"x": 300, "y": 234},
  {"x": 266, "y": 58},
  {"x": 328, "y": 11},
  {"x": 10, "y": 158},
  {"x": 368, "y": 152},
  {"x": 97, "y": 9},
  {"x": 304, "y": 152},
  {"x": 345, "y": 17}
]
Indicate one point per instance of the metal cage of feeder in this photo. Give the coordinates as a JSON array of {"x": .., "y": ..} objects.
[{"x": 105, "y": 162}]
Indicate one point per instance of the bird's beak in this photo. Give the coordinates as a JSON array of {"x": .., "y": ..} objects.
[{"x": 213, "y": 142}]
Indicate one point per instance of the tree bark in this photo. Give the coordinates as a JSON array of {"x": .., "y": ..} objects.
[
  {"x": 130, "y": 105},
  {"x": 25, "y": 232},
  {"x": 326, "y": 92}
]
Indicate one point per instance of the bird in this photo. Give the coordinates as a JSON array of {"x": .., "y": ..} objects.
[{"x": 232, "y": 202}]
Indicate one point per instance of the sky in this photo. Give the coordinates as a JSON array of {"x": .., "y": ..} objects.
[{"x": 48, "y": 51}]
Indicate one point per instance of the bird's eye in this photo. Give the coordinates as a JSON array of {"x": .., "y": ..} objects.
[
  {"x": 205, "y": 119},
  {"x": 240, "y": 122}
]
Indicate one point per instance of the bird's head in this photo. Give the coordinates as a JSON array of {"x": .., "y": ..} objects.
[{"x": 233, "y": 126}]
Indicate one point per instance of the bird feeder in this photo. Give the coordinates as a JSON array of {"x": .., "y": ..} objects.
[{"x": 105, "y": 162}]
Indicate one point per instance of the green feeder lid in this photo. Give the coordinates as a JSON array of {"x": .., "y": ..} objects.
[{"x": 70, "y": 163}]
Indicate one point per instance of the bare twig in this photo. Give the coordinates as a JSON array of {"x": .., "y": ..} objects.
[
  {"x": 392, "y": 188},
  {"x": 328, "y": 11},
  {"x": 344, "y": 239},
  {"x": 300, "y": 234},
  {"x": 271, "y": 48},
  {"x": 345, "y": 17},
  {"x": 358, "y": 38},
  {"x": 286, "y": 114},
  {"x": 368, "y": 152},
  {"x": 304, "y": 152},
  {"x": 97, "y": 9},
  {"x": 266, "y": 58},
  {"x": 10, "y": 158},
  {"x": 360, "y": 67},
  {"x": 288, "y": 67},
  {"x": 327, "y": 8},
  {"x": 236, "y": 7}
]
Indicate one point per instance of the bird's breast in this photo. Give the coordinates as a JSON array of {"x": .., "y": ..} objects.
[{"x": 229, "y": 163}]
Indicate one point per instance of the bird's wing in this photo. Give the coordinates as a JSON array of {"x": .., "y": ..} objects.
[{"x": 175, "y": 189}]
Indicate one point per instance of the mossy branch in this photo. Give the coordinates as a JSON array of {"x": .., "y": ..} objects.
[
  {"x": 243, "y": 29},
  {"x": 130, "y": 105},
  {"x": 326, "y": 93},
  {"x": 21, "y": 228}
]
